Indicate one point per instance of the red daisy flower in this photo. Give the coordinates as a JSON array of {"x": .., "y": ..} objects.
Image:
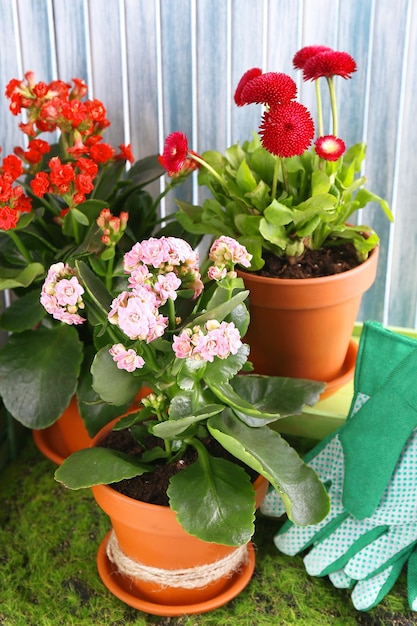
[
  {"x": 271, "y": 88},
  {"x": 175, "y": 152},
  {"x": 329, "y": 63},
  {"x": 302, "y": 56},
  {"x": 287, "y": 130},
  {"x": 330, "y": 147},
  {"x": 247, "y": 76}
]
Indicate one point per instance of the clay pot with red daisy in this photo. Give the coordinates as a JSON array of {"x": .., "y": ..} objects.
[{"x": 290, "y": 195}]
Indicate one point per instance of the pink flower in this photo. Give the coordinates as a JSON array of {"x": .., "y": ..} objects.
[
  {"x": 182, "y": 345},
  {"x": 166, "y": 286},
  {"x": 287, "y": 130},
  {"x": 68, "y": 292},
  {"x": 216, "y": 273},
  {"x": 330, "y": 147},
  {"x": 138, "y": 317},
  {"x": 226, "y": 251},
  {"x": 61, "y": 294},
  {"x": 126, "y": 359},
  {"x": 220, "y": 341}
]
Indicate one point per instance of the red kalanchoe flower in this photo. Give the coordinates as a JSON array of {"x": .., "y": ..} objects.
[
  {"x": 8, "y": 218},
  {"x": 330, "y": 147},
  {"x": 12, "y": 166},
  {"x": 40, "y": 184},
  {"x": 272, "y": 88},
  {"x": 329, "y": 63},
  {"x": 287, "y": 130},
  {"x": 302, "y": 56},
  {"x": 247, "y": 76},
  {"x": 101, "y": 152},
  {"x": 125, "y": 153},
  {"x": 175, "y": 152}
]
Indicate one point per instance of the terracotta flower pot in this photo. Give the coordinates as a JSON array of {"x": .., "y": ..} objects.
[
  {"x": 69, "y": 434},
  {"x": 164, "y": 557},
  {"x": 302, "y": 328}
]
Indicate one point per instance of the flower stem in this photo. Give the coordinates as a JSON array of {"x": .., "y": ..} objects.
[
  {"x": 332, "y": 92},
  {"x": 208, "y": 167},
  {"x": 319, "y": 109},
  {"x": 171, "y": 314},
  {"x": 285, "y": 176},
  {"x": 275, "y": 179},
  {"x": 109, "y": 274},
  {"x": 19, "y": 245}
]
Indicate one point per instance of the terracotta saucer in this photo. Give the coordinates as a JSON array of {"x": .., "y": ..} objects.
[
  {"x": 345, "y": 374},
  {"x": 119, "y": 586}
]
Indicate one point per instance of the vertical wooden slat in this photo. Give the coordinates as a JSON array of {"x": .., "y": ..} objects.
[{"x": 164, "y": 65}]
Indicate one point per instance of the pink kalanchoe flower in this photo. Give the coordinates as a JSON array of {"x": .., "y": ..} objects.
[
  {"x": 182, "y": 345},
  {"x": 221, "y": 340},
  {"x": 166, "y": 286},
  {"x": 175, "y": 152},
  {"x": 302, "y": 56},
  {"x": 226, "y": 251},
  {"x": 271, "y": 88},
  {"x": 216, "y": 273},
  {"x": 247, "y": 77},
  {"x": 329, "y": 63},
  {"x": 61, "y": 294},
  {"x": 330, "y": 147},
  {"x": 287, "y": 130},
  {"x": 126, "y": 359}
]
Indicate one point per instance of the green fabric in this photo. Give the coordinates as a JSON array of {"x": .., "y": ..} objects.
[
  {"x": 387, "y": 419},
  {"x": 412, "y": 580}
]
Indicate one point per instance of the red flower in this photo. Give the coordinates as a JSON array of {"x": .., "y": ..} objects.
[
  {"x": 8, "y": 218},
  {"x": 125, "y": 153},
  {"x": 247, "y": 76},
  {"x": 287, "y": 130},
  {"x": 84, "y": 183},
  {"x": 36, "y": 149},
  {"x": 61, "y": 174},
  {"x": 12, "y": 166},
  {"x": 272, "y": 88},
  {"x": 302, "y": 56},
  {"x": 101, "y": 152},
  {"x": 87, "y": 166},
  {"x": 329, "y": 63},
  {"x": 330, "y": 147},
  {"x": 40, "y": 184},
  {"x": 23, "y": 204},
  {"x": 175, "y": 152}
]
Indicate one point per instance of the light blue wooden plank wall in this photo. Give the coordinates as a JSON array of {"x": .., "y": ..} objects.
[{"x": 163, "y": 65}]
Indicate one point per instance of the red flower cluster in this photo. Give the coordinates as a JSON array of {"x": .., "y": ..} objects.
[
  {"x": 51, "y": 107},
  {"x": 323, "y": 62},
  {"x": 13, "y": 201},
  {"x": 177, "y": 159},
  {"x": 287, "y": 128}
]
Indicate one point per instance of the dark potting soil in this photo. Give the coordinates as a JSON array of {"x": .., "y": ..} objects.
[
  {"x": 151, "y": 487},
  {"x": 313, "y": 263}
]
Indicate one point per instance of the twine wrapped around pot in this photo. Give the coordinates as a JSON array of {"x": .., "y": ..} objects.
[{"x": 188, "y": 578}]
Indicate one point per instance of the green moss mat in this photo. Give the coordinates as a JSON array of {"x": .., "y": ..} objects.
[{"x": 49, "y": 538}]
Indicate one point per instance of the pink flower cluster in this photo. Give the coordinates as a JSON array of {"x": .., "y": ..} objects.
[
  {"x": 157, "y": 268},
  {"x": 225, "y": 253},
  {"x": 220, "y": 340},
  {"x": 61, "y": 294}
]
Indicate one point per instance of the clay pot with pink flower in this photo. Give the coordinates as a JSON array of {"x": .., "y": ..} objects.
[
  {"x": 293, "y": 205},
  {"x": 194, "y": 460}
]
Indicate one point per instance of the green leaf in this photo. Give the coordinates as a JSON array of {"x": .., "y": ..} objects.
[
  {"x": 124, "y": 386},
  {"x": 278, "y": 214},
  {"x": 304, "y": 496},
  {"x": 214, "y": 500},
  {"x": 174, "y": 427},
  {"x": 98, "y": 466},
  {"x": 220, "y": 311},
  {"x": 12, "y": 278},
  {"x": 95, "y": 287},
  {"x": 145, "y": 170},
  {"x": 24, "y": 313},
  {"x": 39, "y": 371},
  {"x": 221, "y": 370}
]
